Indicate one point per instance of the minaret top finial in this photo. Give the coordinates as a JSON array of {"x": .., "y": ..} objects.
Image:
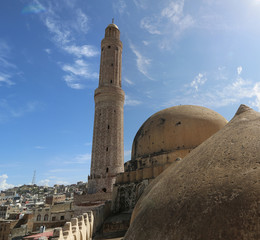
[{"x": 112, "y": 20}]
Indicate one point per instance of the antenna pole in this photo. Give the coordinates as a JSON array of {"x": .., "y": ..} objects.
[{"x": 34, "y": 176}]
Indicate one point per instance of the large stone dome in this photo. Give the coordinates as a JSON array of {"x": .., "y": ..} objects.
[
  {"x": 213, "y": 193},
  {"x": 175, "y": 129}
]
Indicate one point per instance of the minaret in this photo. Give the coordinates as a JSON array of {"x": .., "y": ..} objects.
[{"x": 108, "y": 136}]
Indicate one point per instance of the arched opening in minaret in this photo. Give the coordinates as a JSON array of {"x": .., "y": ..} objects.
[
  {"x": 107, "y": 170},
  {"x": 107, "y": 126},
  {"x": 108, "y": 46},
  {"x": 107, "y": 149},
  {"x": 104, "y": 189},
  {"x": 111, "y": 81}
]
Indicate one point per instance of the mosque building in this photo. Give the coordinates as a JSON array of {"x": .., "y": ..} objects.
[{"x": 192, "y": 175}]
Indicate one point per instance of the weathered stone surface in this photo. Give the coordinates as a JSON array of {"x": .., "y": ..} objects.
[
  {"x": 175, "y": 131},
  {"x": 213, "y": 193},
  {"x": 107, "y": 159}
]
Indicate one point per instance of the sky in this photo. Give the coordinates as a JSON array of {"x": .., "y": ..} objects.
[{"x": 175, "y": 52}]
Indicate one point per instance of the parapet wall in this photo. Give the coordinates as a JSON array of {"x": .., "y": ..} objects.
[
  {"x": 80, "y": 228},
  {"x": 155, "y": 159},
  {"x": 90, "y": 199},
  {"x": 100, "y": 213},
  {"x": 141, "y": 174}
]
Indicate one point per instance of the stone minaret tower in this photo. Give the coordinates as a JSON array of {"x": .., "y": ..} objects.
[{"x": 108, "y": 135}]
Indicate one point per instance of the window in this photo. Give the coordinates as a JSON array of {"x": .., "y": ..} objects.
[
  {"x": 104, "y": 189},
  {"x": 107, "y": 170},
  {"x": 112, "y": 64},
  {"x": 107, "y": 149},
  {"x": 108, "y": 46},
  {"x": 53, "y": 219},
  {"x": 61, "y": 217},
  {"x": 111, "y": 81},
  {"x": 46, "y": 217},
  {"x": 39, "y": 218},
  {"x": 107, "y": 126}
]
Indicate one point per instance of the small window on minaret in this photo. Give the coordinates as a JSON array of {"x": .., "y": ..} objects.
[
  {"x": 109, "y": 47},
  {"x": 102, "y": 48},
  {"x": 111, "y": 81},
  {"x": 107, "y": 149},
  {"x": 107, "y": 126},
  {"x": 112, "y": 64},
  {"x": 107, "y": 170}
]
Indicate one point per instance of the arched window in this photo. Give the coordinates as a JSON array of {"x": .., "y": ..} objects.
[
  {"x": 46, "y": 217},
  {"x": 39, "y": 217}
]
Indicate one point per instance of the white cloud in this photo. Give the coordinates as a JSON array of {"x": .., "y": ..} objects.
[
  {"x": 128, "y": 81},
  {"x": 6, "y": 67},
  {"x": 60, "y": 36},
  {"x": 146, "y": 43},
  {"x": 82, "y": 51},
  {"x": 82, "y": 21},
  {"x": 8, "y": 111},
  {"x": 47, "y": 50},
  {"x": 72, "y": 82},
  {"x": 120, "y": 6},
  {"x": 239, "y": 70},
  {"x": 127, "y": 154},
  {"x": 4, "y": 55},
  {"x": 61, "y": 182},
  {"x": 141, "y": 3},
  {"x": 3, "y": 183},
  {"x": 199, "y": 80},
  {"x": 40, "y": 147},
  {"x": 80, "y": 159},
  {"x": 174, "y": 13},
  {"x": 64, "y": 33},
  {"x": 220, "y": 95},
  {"x": 78, "y": 72},
  {"x": 29, "y": 107},
  {"x": 131, "y": 102},
  {"x": 170, "y": 23},
  {"x": 148, "y": 24},
  {"x": 5, "y": 79},
  {"x": 256, "y": 93},
  {"x": 141, "y": 61},
  {"x": 44, "y": 182}
]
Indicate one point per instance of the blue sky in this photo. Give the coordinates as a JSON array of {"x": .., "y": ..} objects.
[{"x": 201, "y": 52}]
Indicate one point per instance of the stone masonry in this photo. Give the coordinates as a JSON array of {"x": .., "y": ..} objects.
[{"x": 108, "y": 144}]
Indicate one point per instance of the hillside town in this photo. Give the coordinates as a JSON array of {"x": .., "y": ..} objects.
[{"x": 24, "y": 210}]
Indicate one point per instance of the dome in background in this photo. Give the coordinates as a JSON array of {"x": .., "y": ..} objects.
[{"x": 176, "y": 128}]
